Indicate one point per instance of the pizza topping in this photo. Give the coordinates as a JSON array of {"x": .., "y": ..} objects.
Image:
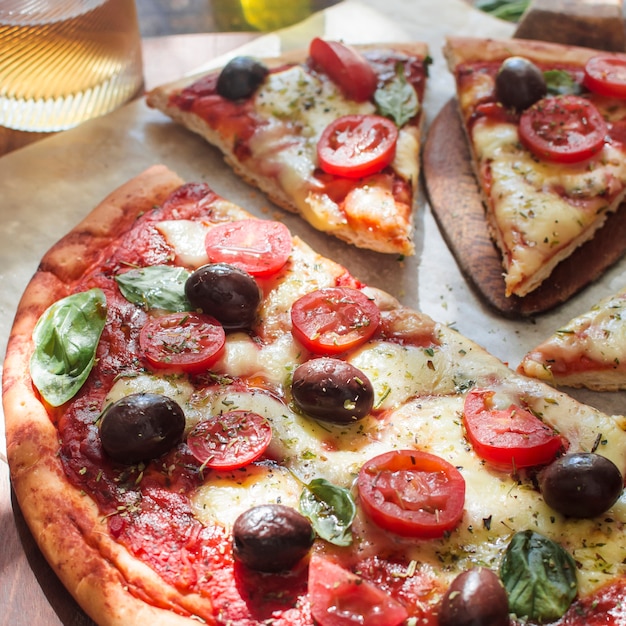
[
  {"x": 155, "y": 287},
  {"x": 331, "y": 510},
  {"x": 519, "y": 83},
  {"x": 412, "y": 493},
  {"x": 226, "y": 292},
  {"x": 241, "y": 77},
  {"x": 332, "y": 390},
  {"x": 566, "y": 129},
  {"x": 605, "y": 74},
  {"x": 509, "y": 438},
  {"x": 346, "y": 67},
  {"x": 191, "y": 342},
  {"x": 539, "y": 577},
  {"x": 230, "y": 440},
  {"x": 271, "y": 538},
  {"x": 581, "y": 484},
  {"x": 334, "y": 319},
  {"x": 259, "y": 247},
  {"x": 355, "y": 146},
  {"x": 397, "y": 98},
  {"x": 66, "y": 337},
  {"x": 141, "y": 426},
  {"x": 342, "y": 598},
  {"x": 475, "y": 597}
]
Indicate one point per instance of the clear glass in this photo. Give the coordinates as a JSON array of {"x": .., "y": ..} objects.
[
  {"x": 263, "y": 15},
  {"x": 63, "y": 62}
]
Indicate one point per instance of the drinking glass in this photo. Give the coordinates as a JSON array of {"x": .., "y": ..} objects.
[{"x": 63, "y": 62}]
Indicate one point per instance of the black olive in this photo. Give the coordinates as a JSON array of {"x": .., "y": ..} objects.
[
  {"x": 226, "y": 292},
  {"x": 332, "y": 390},
  {"x": 141, "y": 426},
  {"x": 520, "y": 83},
  {"x": 475, "y": 598},
  {"x": 271, "y": 537},
  {"x": 581, "y": 484},
  {"x": 240, "y": 78}
]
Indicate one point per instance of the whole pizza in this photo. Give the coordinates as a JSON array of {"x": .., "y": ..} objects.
[{"x": 209, "y": 422}]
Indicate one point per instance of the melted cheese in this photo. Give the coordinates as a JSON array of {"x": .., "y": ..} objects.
[{"x": 419, "y": 400}]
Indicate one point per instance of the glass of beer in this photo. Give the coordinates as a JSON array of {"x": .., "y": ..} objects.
[
  {"x": 63, "y": 62},
  {"x": 262, "y": 15}
]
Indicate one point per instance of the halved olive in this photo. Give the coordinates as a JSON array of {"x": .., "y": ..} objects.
[
  {"x": 475, "y": 598},
  {"x": 520, "y": 83},
  {"x": 141, "y": 426},
  {"x": 581, "y": 484},
  {"x": 241, "y": 77},
  {"x": 271, "y": 537},
  {"x": 226, "y": 292},
  {"x": 332, "y": 390}
]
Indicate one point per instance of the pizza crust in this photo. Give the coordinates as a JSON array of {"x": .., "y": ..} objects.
[
  {"x": 401, "y": 240},
  {"x": 104, "y": 579}
]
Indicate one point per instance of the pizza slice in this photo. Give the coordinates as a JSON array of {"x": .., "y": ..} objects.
[
  {"x": 589, "y": 351},
  {"x": 197, "y": 432},
  {"x": 545, "y": 126},
  {"x": 331, "y": 133}
]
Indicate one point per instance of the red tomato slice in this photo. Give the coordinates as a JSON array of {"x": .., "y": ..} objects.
[
  {"x": 259, "y": 247},
  {"x": 509, "y": 438},
  {"x": 412, "y": 493},
  {"x": 341, "y": 598},
  {"x": 346, "y": 67},
  {"x": 355, "y": 146},
  {"x": 566, "y": 129},
  {"x": 333, "y": 320},
  {"x": 191, "y": 342},
  {"x": 230, "y": 440},
  {"x": 605, "y": 74}
]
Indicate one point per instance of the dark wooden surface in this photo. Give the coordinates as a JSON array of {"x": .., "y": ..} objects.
[{"x": 456, "y": 204}]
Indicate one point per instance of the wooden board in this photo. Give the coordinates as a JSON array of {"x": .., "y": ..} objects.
[{"x": 456, "y": 204}]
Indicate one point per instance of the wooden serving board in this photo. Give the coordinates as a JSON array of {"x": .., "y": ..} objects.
[{"x": 457, "y": 206}]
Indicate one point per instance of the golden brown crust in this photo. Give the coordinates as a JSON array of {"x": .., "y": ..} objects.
[
  {"x": 387, "y": 238},
  {"x": 105, "y": 580}
]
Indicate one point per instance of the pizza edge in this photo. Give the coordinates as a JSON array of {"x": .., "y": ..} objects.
[
  {"x": 367, "y": 238},
  {"x": 106, "y": 581},
  {"x": 460, "y": 50}
]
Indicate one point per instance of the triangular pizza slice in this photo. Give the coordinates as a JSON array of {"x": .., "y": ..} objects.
[
  {"x": 545, "y": 125},
  {"x": 331, "y": 133},
  {"x": 589, "y": 351}
]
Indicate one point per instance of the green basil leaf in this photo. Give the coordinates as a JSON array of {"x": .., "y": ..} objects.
[
  {"x": 66, "y": 337},
  {"x": 397, "y": 99},
  {"x": 156, "y": 287},
  {"x": 539, "y": 577},
  {"x": 561, "y": 83},
  {"x": 509, "y": 10},
  {"x": 331, "y": 510}
]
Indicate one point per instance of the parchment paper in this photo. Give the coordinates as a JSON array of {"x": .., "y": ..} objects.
[{"x": 46, "y": 188}]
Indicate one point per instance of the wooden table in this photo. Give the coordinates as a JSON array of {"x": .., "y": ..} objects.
[{"x": 30, "y": 593}]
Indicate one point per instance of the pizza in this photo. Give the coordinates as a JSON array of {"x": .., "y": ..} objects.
[
  {"x": 545, "y": 126},
  {"x": 207, "y": 421},
  {"x": 588, "y": 351},
  {"x": 331, "y": 133}
]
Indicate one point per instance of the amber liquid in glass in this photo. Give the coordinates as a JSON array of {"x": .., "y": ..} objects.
[{"x": 63, "y": 62}]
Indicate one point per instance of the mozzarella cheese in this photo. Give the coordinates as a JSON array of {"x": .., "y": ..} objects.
[{"x": 419, "y": 404}]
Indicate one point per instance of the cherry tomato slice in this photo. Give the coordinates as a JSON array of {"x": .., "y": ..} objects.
[
  {"x": 412, "y": 493},
  {"x": 334, "y": 319},
  {"x": 355, "y": 146},
  {"x": 191, "y": 342},
  {"x": 508, "y": 438},
  {"x": 259, "y": 247},
  {"x": 341, "y": 598},
  {"x": 605, "y": 74},
  {"x": 346, "y": 67},
  {"x": 230, "y": 440},
  {"x": 566, "y": 129}
]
